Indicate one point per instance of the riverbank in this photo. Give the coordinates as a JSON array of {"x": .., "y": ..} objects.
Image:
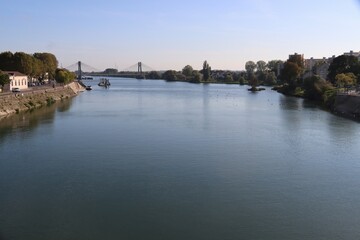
[
  {"x": 29, "y": 100},
  {"x": 348, "y": 106}
]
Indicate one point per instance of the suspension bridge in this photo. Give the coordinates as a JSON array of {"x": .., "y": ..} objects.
[{"x": 138, "y": 70}]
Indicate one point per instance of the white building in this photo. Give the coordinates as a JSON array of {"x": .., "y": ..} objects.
[{"x": 17, "y": 80}]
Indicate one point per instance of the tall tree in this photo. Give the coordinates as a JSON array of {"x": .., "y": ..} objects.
[
  {"x": 275, "y": 66},
  {"x": 4, "y": 78},
  {"x": 250, "y": 67},
  {"x": 261, "y": 66},
  {"x": 290, "y": 73},
  {"x": 7, "y": 61},
  {"x": 50, "y": 63},
  {"x": 206, "y": 71},
  {"x": 23, "y": 63}
]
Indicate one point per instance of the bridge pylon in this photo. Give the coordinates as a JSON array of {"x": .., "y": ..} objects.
[
  {"x": 79, "y": 71},
  {"x": 139, "y": 67}
]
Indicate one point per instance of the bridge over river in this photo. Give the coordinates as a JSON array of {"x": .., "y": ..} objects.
[{"x": 138, "y": 70}]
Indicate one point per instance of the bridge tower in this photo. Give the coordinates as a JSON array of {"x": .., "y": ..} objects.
[
  {"x": 79, "y": 70},
  {"x": 139, "y": 67}
]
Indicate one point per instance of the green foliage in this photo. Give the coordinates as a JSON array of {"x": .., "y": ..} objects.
[
  {"x": 252, "y": 79},
  {"x": 24, "y": 63},
  {"x": 64, "y": 76},
  {"x": 154, "y": 75},
  {"x": 206, "y": 71},
  {"x": 270, "y": 79},
  {"x": 49, "y": 63},
  {"x": 345, "y": 79},
  {"x": 38, "y": 65},
  {"x": 250, "y": 67},
  {"x": 4, "y": 78},
  {"x": 290, "y": 73},
  {"x": 170, "y": 75},
  {"x": 7, "y": 61},
  {"x": 196, "y": 77},
  {"x": 343, "y": 64},
  {"x": 318, "y": 89},
  {"x": 274, "y": 65},
  {"x": 242, "y": 80},
  {"x": 261, "y": 66},
  {"x": 187, "y": 71}
]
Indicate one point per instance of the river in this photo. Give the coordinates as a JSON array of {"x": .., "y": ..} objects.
[{"x": 149, "y": 159}]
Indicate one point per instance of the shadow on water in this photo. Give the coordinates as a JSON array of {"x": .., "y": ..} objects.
[{"x": 27, "y": 121}]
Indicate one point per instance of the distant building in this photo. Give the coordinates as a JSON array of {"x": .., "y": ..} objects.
[
  {"x": 318, "y": 67},
  {"x": 352, "y": 53},
  {"x": 17, "y": 80},
  {"x": 298, "y": 57}
]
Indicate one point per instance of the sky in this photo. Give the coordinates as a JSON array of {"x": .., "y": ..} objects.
[{"x": 165, "y": 34}]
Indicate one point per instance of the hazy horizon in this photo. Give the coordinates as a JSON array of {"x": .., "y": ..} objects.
[{"x": 169, "y": 35}]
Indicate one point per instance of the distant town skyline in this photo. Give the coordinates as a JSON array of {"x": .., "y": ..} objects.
[{"x": 171, "y": 34}]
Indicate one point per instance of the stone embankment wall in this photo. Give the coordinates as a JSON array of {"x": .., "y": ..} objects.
[
  {"x": 24, "y": 101},
  {"x": 348, "y": 106}
]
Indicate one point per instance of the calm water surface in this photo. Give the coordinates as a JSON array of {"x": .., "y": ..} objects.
[{"x": 159, "y": 160}]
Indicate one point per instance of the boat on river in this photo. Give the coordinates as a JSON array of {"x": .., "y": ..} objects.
[
  {"x": 104, "y": 82},
  {"x": 88, "y": 88}
]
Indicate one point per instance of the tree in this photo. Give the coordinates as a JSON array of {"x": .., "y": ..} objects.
[
  {"x": 197, "y": 77},
  {"x": 206, "y": 71},
  {"x": 7, "y": 61},
  {"x": 317, "y": 89},
  {"x": 187, "y": 71},
  {"x": 4, "y": 78},
  {"x": 345, "y": 80},
  {"x": 38, "y": 69},
  {"x": 50, "y": 63},
  {"x": 153, "y": 75},
  {"x": 270, "y": 78},
  {"x": 290, "y": 73},
  {"x": 64, "y": 76},
  {"x": 23, "y": 63},
  {"x": 261, "y": 66},
  {"x": 170, "y": 75},
  {"x": 343, "y": 64},
  {"x": 250, "y": 67},
  {"x": 275, "y": 66}
]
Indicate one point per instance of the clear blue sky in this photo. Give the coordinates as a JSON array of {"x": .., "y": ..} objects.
[{"x": 166, "y": 34}]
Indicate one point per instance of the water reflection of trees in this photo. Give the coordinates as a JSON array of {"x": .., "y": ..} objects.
[{"x": 27, "y": 121}]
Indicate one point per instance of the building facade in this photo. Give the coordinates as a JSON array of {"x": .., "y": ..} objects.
[{"x": 17, "y": 80}]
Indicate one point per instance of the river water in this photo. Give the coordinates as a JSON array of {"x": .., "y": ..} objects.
[{"x": 159, "y": 160}]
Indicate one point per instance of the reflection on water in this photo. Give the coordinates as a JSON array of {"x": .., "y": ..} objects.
[
  {"x": 158, "y": 160},
  {"x": 27, "y": 121}
]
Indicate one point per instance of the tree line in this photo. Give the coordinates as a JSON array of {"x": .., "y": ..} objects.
[
  {"x": 343, "y": 73},
  {"x": 38, "y": 66}
]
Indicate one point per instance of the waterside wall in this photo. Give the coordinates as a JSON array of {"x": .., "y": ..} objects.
[
  {"x": 18, "y": 102},
  {"x": 348, "y": 106}
]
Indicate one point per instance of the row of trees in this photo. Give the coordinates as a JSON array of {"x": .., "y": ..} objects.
[
  {"x": 343, "y": 72},
  {"x": 262, "y": 73},
  {"x": 38, "y": 66}
]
